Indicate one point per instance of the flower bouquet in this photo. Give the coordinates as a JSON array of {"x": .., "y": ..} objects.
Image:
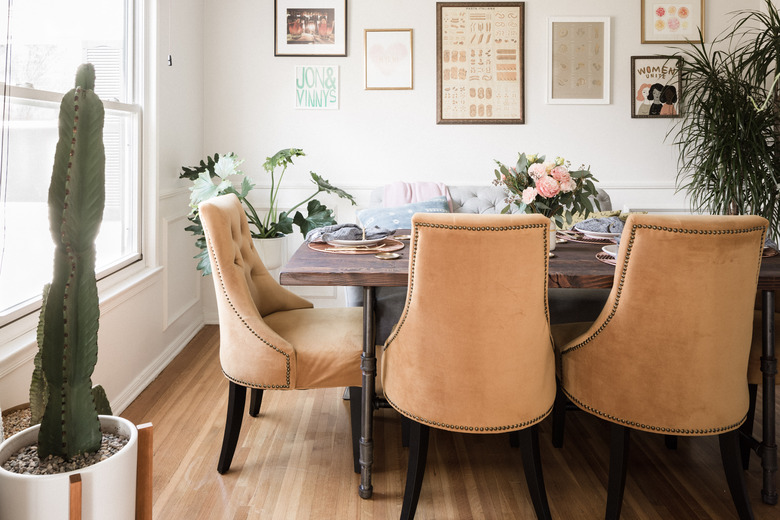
[{"x": 549, "y": 188}]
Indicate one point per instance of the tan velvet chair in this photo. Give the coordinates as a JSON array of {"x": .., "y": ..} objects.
[
  {"x": 271, "y": 338},
  {"x": 669, "y": 352},
  {"x": 472, "y": 351}
]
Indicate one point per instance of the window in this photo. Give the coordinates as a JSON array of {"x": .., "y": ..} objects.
[{"x": 42, "y": 42}]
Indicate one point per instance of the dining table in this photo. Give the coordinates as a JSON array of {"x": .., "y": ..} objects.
[{"x": 573, "y": 264}]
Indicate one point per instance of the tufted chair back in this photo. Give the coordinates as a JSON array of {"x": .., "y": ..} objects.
[
  {"x": 475, "y": 329},
  {"x": 246, "y": 293}
]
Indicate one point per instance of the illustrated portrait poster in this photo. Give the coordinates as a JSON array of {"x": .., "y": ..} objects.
[{"x": 655, "y": 86}]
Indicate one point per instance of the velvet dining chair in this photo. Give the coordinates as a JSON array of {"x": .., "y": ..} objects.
[
  {"x": 270, "y": 338},
  {"x": 669, "y": 352},
  {"x": 472, "y": 351}
]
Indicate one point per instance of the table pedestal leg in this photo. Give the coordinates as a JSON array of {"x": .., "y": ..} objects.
[
  {"x": 768, "y": 448},
  {"x": 368, "y": 366}
]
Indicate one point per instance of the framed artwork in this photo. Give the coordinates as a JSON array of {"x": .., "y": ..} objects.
[
  {"x": 317, "y": 87},
  {"x": 480, "y": 63},
  {"x": 578, "y": 60},
  {"x": 310, "y": 27},
  {"x": 672, "y": 22},
  {"x": 388, "y": 59},
  {"x": 656, "y": 86}
]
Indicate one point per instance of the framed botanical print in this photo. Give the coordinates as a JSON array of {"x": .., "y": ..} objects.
[
  {"x": 310, "y": 27},
  {"x": 578, "y": 60},
  {"x": 656, "y": 86},
  {"x": 672, "y": 22},
  {"x": 480, "y": 62},
  {"x": 388, "y": 59}
]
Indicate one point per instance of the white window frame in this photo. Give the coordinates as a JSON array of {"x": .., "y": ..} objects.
[{"x": 134, "y": 71}]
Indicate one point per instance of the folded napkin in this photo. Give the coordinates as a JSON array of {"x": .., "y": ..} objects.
[
  {"x": 602, "y": 225},
  {"x": 345, "y": 232}
]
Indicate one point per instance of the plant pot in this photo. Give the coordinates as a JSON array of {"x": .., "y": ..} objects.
[
  {"x": 108, "y": 487},
  {"x": 272, "y": 251}
]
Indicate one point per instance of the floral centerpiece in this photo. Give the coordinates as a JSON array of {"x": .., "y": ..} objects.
[{"x": 550, "y": 188}]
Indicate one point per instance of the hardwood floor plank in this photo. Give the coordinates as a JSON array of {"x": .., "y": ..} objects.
[{"x": 294, "y": 461}]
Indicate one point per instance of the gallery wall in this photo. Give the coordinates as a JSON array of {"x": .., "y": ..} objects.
[{"x": 376, "y": 136}]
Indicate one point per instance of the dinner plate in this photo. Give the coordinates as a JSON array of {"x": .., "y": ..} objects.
[
  {"x": 596, "y": 234},
  {"x": 353, "y": 243},
  {"x": 611, "y": 249}
]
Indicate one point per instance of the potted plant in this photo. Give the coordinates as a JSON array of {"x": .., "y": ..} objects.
[
  {"x": 70, "y": 427},
  {"x": 219, "y": 175},
  {"x": 730, "y": 123}
]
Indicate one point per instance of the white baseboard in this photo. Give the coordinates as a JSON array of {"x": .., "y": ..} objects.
[{"x": 139, "y": 384}]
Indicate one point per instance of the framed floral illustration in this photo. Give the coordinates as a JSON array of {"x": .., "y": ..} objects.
[
  {"x": 310, "y": 27},
  {"x": 578, "y": 60},
  {"x": 656, "y": 86},
  {"x": 480, "y": 62},
  {"x": 388, "y": 59},
  {"x": 672, "y": 22}
]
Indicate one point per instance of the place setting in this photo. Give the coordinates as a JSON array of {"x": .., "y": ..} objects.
[{"x": 353, "y": 239}]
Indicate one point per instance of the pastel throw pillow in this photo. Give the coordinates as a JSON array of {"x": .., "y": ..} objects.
[{"x": 400, "y": 217}]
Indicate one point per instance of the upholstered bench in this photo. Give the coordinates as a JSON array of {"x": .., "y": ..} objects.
[{"x": 566, "y": 305}]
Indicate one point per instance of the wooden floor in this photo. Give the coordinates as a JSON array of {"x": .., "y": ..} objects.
[{"x": 294, "y": 461}]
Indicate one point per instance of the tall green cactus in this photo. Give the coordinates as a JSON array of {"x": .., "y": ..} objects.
[{"x": 70, "y": 313}]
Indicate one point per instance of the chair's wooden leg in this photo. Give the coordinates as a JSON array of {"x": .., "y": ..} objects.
[
  {"x": 732, "y": 465},
  {"x": 144, "y": 479},
  {"x": 355, "y": 398},
  {"x": 532, "y": 467},
  {"x": 618, "y": 465},
  {"x": 670, "y": 441},
  {"x": 418, "y": 453},
  {"x": 255, "y": 400},
  {"x": 559, "y": 417},
  {"x": 747, "y": 428},
  {"x": 235, "y": 414},
  {"x": 405, "y": 425}
]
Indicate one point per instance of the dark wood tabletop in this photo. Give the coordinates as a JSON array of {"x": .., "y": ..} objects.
[{"x": 574, "y": 265}]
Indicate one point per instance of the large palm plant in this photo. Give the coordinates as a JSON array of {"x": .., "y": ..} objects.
[{"x": 727, "y": 135}]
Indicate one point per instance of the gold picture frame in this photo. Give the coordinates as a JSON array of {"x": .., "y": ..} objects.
[
  {"x": 672, "y": 22},
  {"x": 480, "y": 62}
]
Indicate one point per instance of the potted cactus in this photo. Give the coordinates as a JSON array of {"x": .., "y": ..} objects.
[{"x": 70, "y": 426}]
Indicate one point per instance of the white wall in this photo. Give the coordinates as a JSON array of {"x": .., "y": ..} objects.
[{"x": 381, "y": 136}]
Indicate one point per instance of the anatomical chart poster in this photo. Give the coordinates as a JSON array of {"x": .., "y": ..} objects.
[{"x": 480, "y": 63}]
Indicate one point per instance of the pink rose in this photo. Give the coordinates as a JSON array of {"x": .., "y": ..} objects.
[
  {"x": 660, "y": 12},
  {"x": 537, "y": 170},
  {"x": 569, "y": 186},
  {"x": 548, "y": 187},
  {"x": 529, "y": 194},
  {"x": 560, "y": 174}
]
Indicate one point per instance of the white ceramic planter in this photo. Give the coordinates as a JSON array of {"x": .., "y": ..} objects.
[
  {"x": 273, "y": 253},
  {"x": 108, "y": 487}
]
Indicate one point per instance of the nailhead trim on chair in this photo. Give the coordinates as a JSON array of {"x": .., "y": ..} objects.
[
  {"x": 227, "y": 298},
  {"x": 473, "y": 429},
  {"x": 652, "y": 428},
  {"x": 413, "y": 259},
  {"x": 649, "y": 427}
]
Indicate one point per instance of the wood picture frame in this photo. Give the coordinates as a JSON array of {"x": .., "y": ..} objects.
[
  {"x": 388, "y": 56},
  {"x": 672, "y": 22},
  {"x": 656, "y": 86},
  {"x": 578, "y": 64},
  {"x": 480, "y": 62},
  {"x": 310, "y": 28}
]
